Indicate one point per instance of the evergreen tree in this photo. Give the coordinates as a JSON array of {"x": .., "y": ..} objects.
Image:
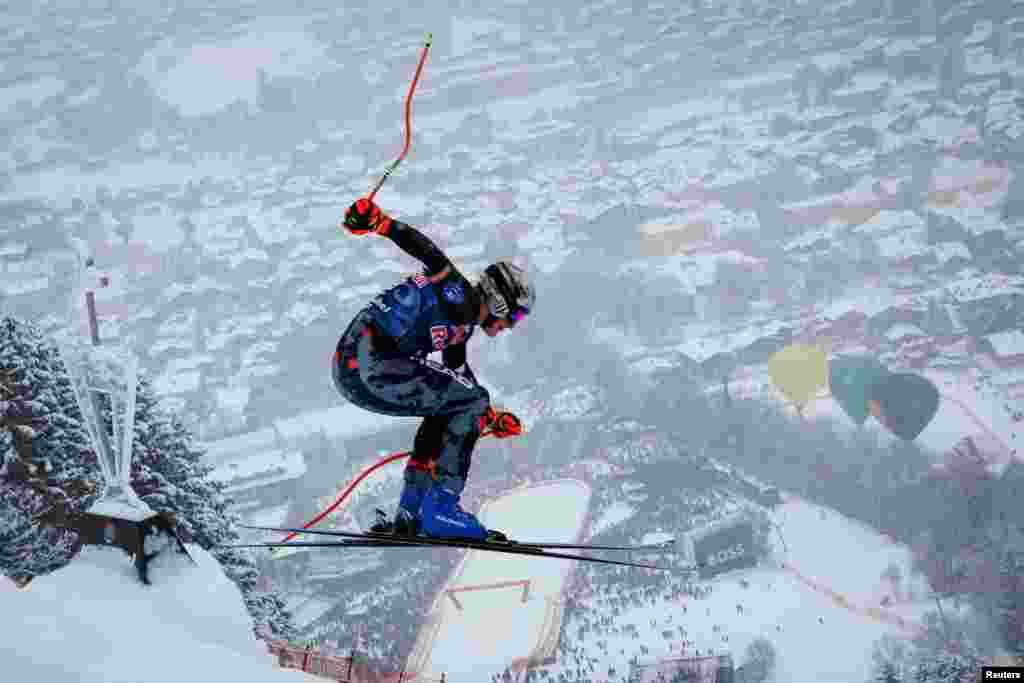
[
  {"x": 1010, "y": 609},
  {"x": 54, "y": 468},
  {"x": 889, "y": 655},
  {"x": 947, "y": 667},
  {"x": 887, "y": 672},
  {"x": 760, "y": 659},
  {"x": 167, "y": 473},
  {"x": 948, "y": 650}
]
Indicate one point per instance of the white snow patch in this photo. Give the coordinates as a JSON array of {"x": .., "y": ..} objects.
[
  {"x": 617, "y": 512},
  {"x": 904, "y": 45},
  {"x": 259, "y": 469},
  {"x": 495, "y": 625},
  {"x": 885, "y": 222},
  {"x": 32, "y": 93},
  {"x": 177, "y": 382},
  {"x": 1009, "y": 343},
  {"x": 206, "y": 78},
  {"x": 348, "y": 421},
  {"x": 94, "y": 622},
  {"x": 304, "y": 313},
  {"x": 867, "y": 81}
]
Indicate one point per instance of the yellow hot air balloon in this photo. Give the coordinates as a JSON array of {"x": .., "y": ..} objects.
[{"x": 798, "y": 372}]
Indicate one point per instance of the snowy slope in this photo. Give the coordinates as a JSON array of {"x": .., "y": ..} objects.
[
  {"x": 825, "y": 589},
  {"x": 549, "y": 512},
  {"x": 93, "y": 622}
]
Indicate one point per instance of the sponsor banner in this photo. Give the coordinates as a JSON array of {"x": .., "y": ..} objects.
[{"x": 724, "y": 549}]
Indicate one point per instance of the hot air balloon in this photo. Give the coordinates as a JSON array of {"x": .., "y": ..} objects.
[
  {"x": 798, "y": 372},
  {"x": 849, "y": 379},
  {"x": 904, "y": 403}
]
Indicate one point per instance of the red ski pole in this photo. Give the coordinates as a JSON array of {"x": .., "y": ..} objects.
[
  {"x": 408, "y": 119},
  {"x": 355, "y": 482},
  {"x": 344, "y": 494}
]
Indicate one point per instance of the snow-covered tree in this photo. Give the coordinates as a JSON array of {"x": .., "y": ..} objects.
[
  {"x": 889, "y": 656},
  {"x": 46, "y": 465},
  {"x": 1011, "y": 604},
  {"x": 759, "y": 659},
  {"x": 886, "y": 672},
  {"x": 946, "y": 667},
  {"x": 946, "y": 651},
  {"x": 167, "y": 473}
]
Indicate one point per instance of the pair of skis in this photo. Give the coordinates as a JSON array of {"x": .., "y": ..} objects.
[{"x": 355, "y": 539}]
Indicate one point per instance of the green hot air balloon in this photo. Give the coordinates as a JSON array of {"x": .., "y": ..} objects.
[
  {"x": 907, "y": 403},
  {"x": 850, "y": 379}
]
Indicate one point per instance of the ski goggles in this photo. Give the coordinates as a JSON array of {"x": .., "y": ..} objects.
[{"x": 515, "y": 316}]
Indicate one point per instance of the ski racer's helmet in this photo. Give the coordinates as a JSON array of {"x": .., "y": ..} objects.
[{"x": 507, "y": 291}]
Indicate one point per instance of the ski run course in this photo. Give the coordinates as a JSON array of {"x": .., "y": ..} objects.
[
  {"x": 495, "y": 625},
  {"x": 825, "y": 585}
]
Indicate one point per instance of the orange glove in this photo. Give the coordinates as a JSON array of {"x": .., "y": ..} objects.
[
  {"x": 502, "y": 424},
  {"x": 364, "y": 216}
]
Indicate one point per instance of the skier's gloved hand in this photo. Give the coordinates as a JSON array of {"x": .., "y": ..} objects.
[
  {"x": 501, "y": 423},
  {"x": 364, "y": 216}
]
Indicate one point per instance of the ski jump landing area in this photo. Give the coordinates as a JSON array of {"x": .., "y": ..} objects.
[{"x": 504, "y": 611}]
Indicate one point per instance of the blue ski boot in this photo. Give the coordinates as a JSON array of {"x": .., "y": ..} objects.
[
  {"x": 406, "y": 521},
  {"x": 442, "y": 516}
]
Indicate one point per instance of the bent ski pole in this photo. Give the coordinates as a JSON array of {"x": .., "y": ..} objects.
[
  {"x": 408, "y": 119},
  {"x": 333, "y": 506},
  {"x": 355, "y": 482}
]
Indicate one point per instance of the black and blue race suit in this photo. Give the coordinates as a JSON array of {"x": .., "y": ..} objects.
[{"x": 381, "y": 361}]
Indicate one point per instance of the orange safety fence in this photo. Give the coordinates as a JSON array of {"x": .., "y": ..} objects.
[
  {"x": 337, "y": 668},
  {"x": 844, "y": 602}
]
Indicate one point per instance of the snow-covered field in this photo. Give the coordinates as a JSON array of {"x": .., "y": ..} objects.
[
  {"x": 826, "y": 589},
  {"x": 826, "y": 585},
  {"x": 94, "y": 622},
  {"x": 495, "y": 624},
  {"x": 854, "y": 565}
]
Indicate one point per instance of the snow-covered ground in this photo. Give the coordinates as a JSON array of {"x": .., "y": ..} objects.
[
  {"x": 832, "y": 581},
  {"x": 852, "y": 566},
  {"x": 207, "y": 78},
  {"x": 94, "y": 622},
  {"x": 495, "y": 624},
  {"x": 825, "y": 589}
]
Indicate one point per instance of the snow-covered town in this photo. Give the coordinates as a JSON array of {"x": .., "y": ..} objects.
[{"x": 777, "y": 252}]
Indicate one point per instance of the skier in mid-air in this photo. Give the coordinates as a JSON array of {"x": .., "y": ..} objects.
[{"x": 381, "y": 364}]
